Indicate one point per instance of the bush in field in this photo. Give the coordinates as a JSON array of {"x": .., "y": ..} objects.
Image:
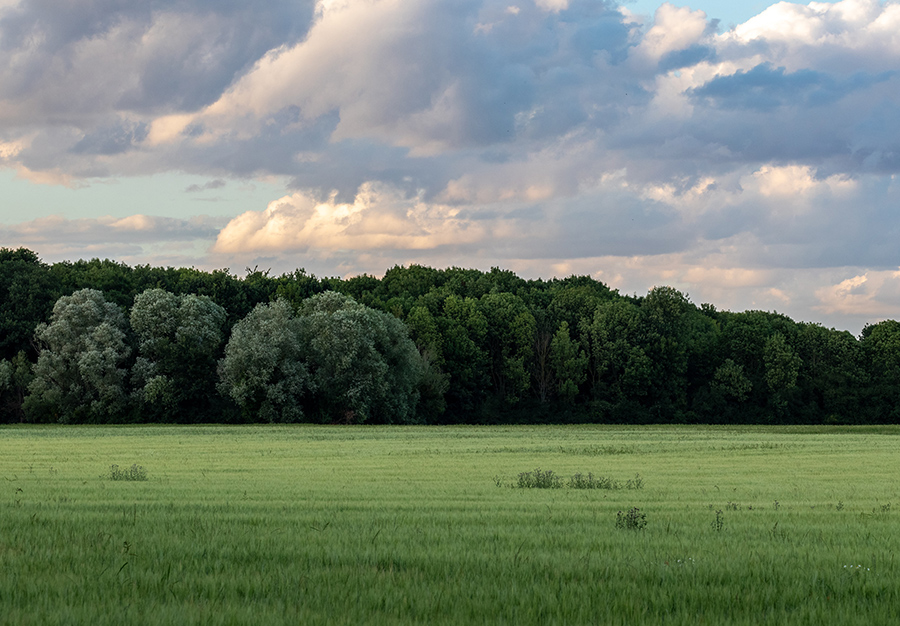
[
  {"x": 264, "y": 370},
  {"x": 135, "y": 472},
  {"x": 81, "y": 368},
  {"x": 363, "y": 364},
  {"x": 179, "y": 342},
  {"x": 633, "y": 519},
  {"x": 539, "y": 479}
]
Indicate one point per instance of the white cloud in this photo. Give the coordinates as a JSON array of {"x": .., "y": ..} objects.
[
  {"x": 674, "y": 28},
  {"x": 871, "y": 294},
  {"x": 9, "y": 149},
  {"x": 380, "y": 217},
  {"x": 554, "y": 6},
  {"x": 167, "y": 128},
  {"x": 816, "y": 22}
]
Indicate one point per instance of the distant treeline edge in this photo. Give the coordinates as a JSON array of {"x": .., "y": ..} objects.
[{"x": 102, "y": 342}]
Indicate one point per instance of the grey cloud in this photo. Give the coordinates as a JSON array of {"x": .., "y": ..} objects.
[
  {"x": 531, "y": 78},
  {"x": 200, "y": 56},
  {"x": 617, "y": 224},
  {"x": 82, "y": 61},
  {"x": 111, "y": 139},
  {"x": 692, "y": 55},
  {"x": 856, "y": 227},
  {"x": 597, "y": 32},
  {"x": 766, "y": 88},
  {"x": 218, "y": 183},
  {"x": 522, "y": 82},
  {"x": 134, "y": 230},
  {"x": 58, "y": 24}
]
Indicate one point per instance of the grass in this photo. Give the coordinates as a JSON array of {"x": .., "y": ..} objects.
[{"x": 348, "y": 525}]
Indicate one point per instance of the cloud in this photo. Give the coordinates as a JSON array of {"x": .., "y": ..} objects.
[
  {"x": 552, "y": 5},
  {"x": 457, "y": 89},
  {"x": 766, "y": 88},
  {"x": 194, "y": 87},
  {"x": 380, "y": 217},
  {"x": 218, "y": 183},
  {"x": 675, "y": 29},
  {"x": 868, "y": 295},
  {"x": 138, "y": 55},
  {"x": 136, "y": 234}
]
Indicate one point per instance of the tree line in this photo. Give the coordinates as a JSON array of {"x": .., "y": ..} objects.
[{"x": 99, "y": 341}]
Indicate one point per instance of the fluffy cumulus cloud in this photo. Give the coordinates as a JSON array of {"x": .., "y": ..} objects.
[
  {"x": 753, "y": 167},
  {"x": 379, "y": 217}
]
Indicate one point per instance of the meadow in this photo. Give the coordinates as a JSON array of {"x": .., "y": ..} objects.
[{"x": 401, "y": 525}]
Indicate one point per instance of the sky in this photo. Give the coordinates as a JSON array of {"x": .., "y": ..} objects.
[{"x": 745, "y": 153}]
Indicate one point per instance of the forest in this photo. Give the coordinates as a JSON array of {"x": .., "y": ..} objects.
[{"x": 102, "y": 342}]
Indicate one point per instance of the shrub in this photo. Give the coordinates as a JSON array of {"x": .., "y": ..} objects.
[
  {"x": 632, "y": 520},
  {"x": 580, "y": 481},
  {"x": 135, "y": 472},
  {"x": 539, "y": 479}
]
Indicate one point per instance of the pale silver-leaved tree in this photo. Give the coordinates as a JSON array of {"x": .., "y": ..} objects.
[
  {"x": 179, "y": 343},
  {"x": 264, "y": 370},
  {"x": 80, "y": 372},
  {"x": 336, "y": 360}
]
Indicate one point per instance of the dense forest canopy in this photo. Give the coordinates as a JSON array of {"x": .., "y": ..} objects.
[{"x": 100, "y": 341}]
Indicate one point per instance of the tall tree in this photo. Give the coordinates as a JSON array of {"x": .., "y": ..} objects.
[
  {"x": 179, "y": 340},
  {"x": 363, "y": 365},
  {"x": 264, "y": 369},
  {"x": 569, "y": 364},
  {"x": 881, "y": 346},
  {"x": 80, "y": 371},
  {"x": 782, "y": 369},
  {"x": 510, "y": 343},
  {"x": 27, "y": 295},
  {"x": 623, "y": 372},
  {"x": 15, "y": 376},
  {"x": 463, "y": 330}
]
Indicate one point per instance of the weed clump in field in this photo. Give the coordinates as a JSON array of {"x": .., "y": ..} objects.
[
  {"x": 135, "y": 472},
  {"x": 539, "y": 479},
  {"x": 719, "y": 523},
  {"x": 547, "y": 479},
  {"x": 580, "y": 481},
  {"x": 632, "y": 520}
]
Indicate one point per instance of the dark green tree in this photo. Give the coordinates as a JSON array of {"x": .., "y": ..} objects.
[
  {"x": 622, "y": 369},
  {"x": 27, "y": 295},
  {"x": 881, "y": 347},
  {"x": 509, "y": 343},
  {"x": 782, "y": 370},
  {"x": 463, "y": 331},
  {"x": 569, "y": 364}
]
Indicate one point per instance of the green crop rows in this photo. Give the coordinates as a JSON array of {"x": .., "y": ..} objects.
[{"x": 393, "y": 525}]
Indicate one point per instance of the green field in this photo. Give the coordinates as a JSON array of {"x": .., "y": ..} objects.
[{"x": 369, "y": 525}]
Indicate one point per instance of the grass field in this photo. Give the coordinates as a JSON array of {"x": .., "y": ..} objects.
[{"x": 395, "y": 525}]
